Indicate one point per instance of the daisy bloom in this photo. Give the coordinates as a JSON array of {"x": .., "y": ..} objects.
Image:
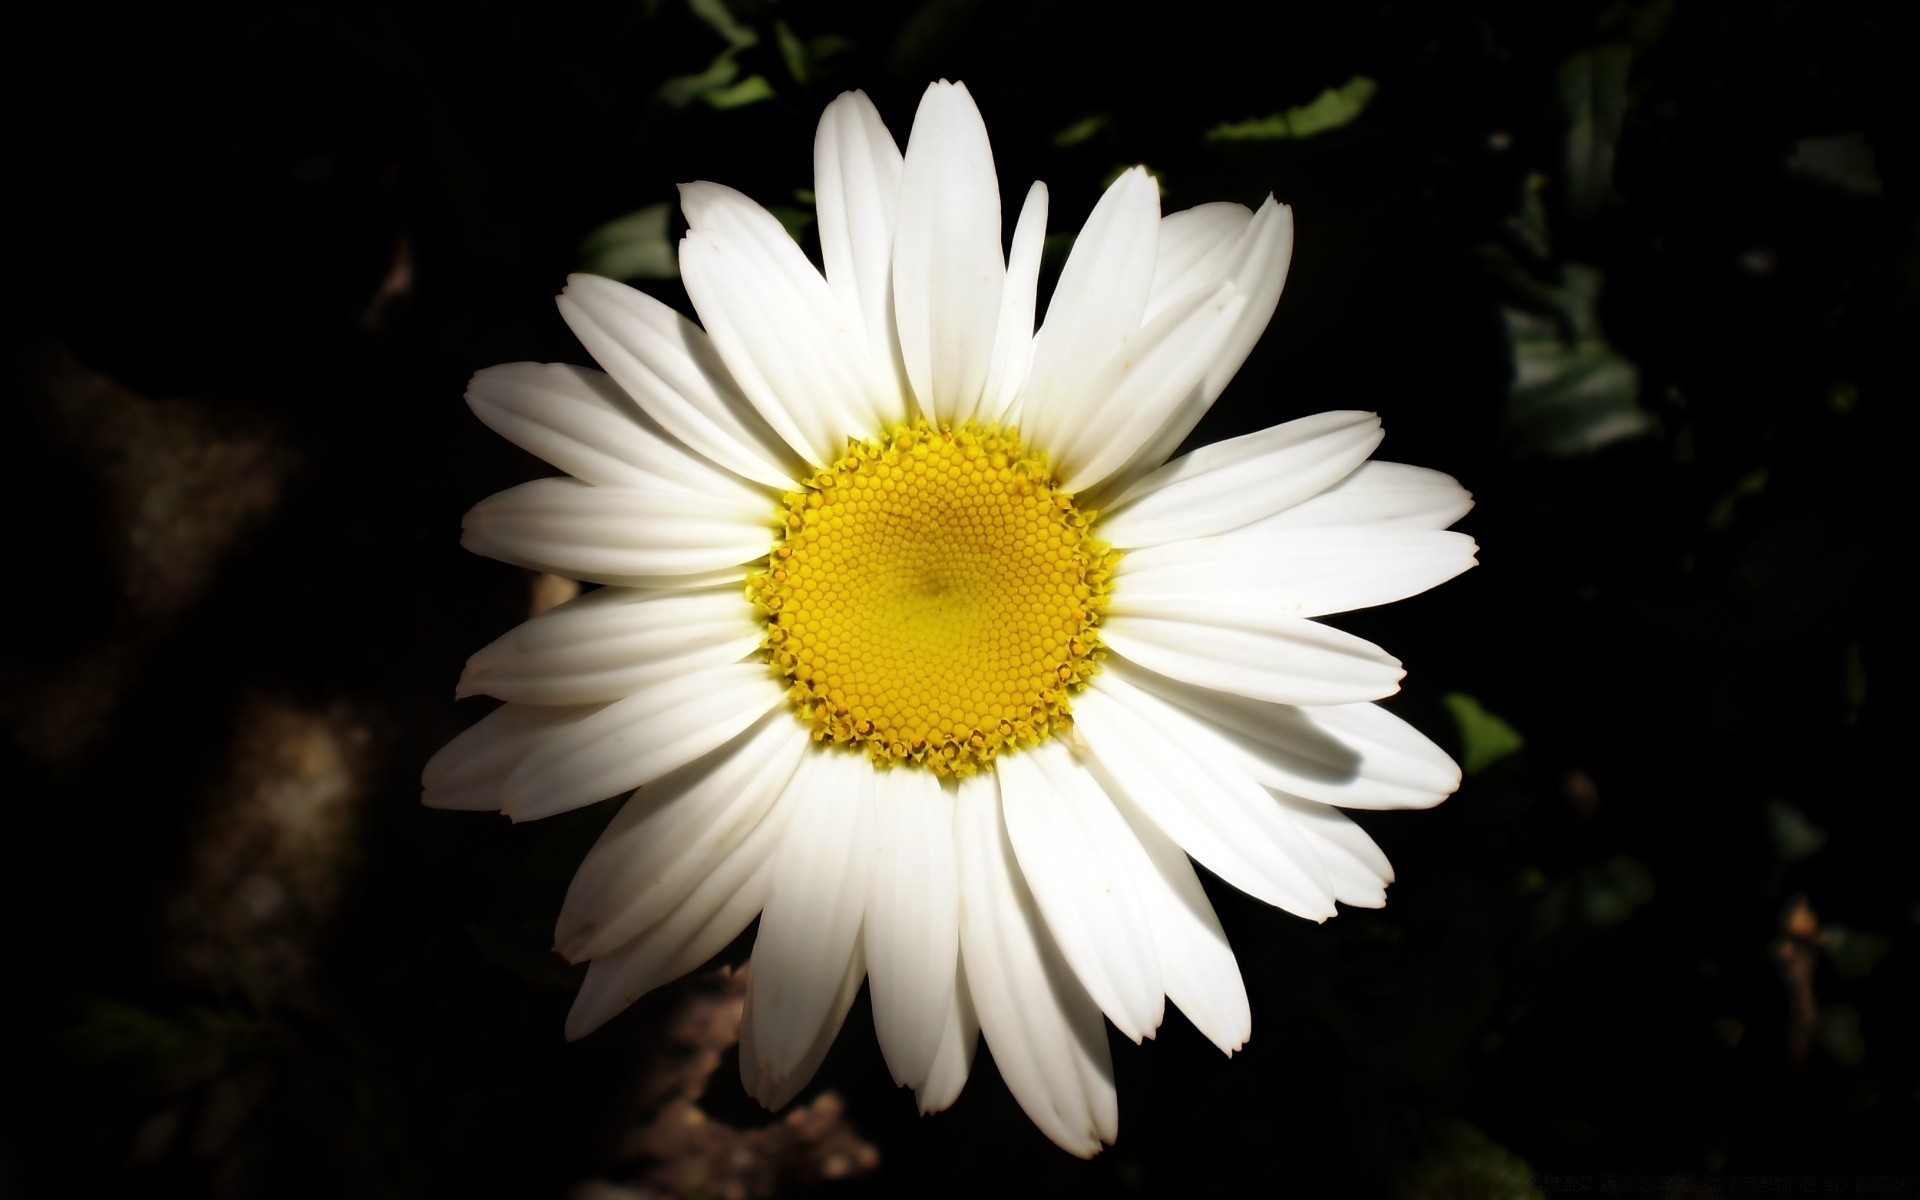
[{"x": 914, "y": 644}]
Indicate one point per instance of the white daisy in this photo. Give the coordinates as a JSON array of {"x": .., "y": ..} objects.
[{"x": 914, "y": 646}]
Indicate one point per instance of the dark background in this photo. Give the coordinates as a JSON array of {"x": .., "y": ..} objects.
[{"x": 1642, "y": 276}]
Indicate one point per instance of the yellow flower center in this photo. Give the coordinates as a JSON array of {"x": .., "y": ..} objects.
[{"x": 935, "y": 599}]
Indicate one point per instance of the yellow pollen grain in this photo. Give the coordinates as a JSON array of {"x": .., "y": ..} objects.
[{"x": 935, "y": 600}]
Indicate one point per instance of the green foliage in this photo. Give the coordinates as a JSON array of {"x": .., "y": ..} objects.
[
  {"x": 1794, "y": 836},
  {"x": 1854, "y": 952},
  {"x": 1467, "y": 1165},
  {"x": 1572, "y": 393},
  {"x": 632, "y": 247},
  {"x": 1840, "y": 1034},
  {"x": 1484, "y": 738},
  {"x": 1593, "y": 93},
  {"x": 1331, "y": 109}
]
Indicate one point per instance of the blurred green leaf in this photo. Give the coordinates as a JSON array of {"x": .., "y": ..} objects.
[
  {"x": 1612, "y": 891},
  {"x": 793, "y": 52},
  {"x": 1464, "y": 1163},
  {"x": 1593, "y": 93},
  {"x": 1854, "y": 952},
  {"x": 1329, "y": 110},
  {"x": 1572, "y": 393},
  {"x": 1840, "y": 1034},
  {"x": 1484, "y": 738},
  {"x": 1794, "y": 837},
  {"x": 1843, "y": 160},
  {"x": 1085, "y": 129},
  {"x": 925, "y": 35},
  {"x": 683, "y": 90},
  {"x": 751, "y": 90},
  {"x": 721, "y": 20},
  {"x": 1751, "y": 484},
  {"x": 795, "y": 220},
  {"x": 635, "y": 246}
]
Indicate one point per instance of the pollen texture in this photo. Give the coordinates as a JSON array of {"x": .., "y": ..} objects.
[{"x": 935, "y": 600}]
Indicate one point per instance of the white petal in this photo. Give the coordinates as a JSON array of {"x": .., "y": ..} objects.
[
  {"x": 1303, "y": 572},
  {"x": 669, "y": 367},
  {"x": 1196, "y": 961},
  {"x": 947, "y": 268},
  {"x": 1196, "y": 250},
  {"x": 1381, "y": 494},
  {"x": 727, "y": 899},
  {"x": 1237, "y": 648},
  {"x": 1357, "y": 872},
  {"x": 1080, "y": 860},
  {"x": 912, "y": 930},
  {"x": 1225, "y": 485},
  {"x": 774, "y": 1088},
  {"x": 1096, "y": 306},
  {"x": 1045, "y": 1031},
  {"x": 581, "y": 422},
  {"x": 467, "y": 773},
  {"x": 1352, "y": 755},
  {"x": 1260, "y": 271},
  {"x": 1211, "y": 807},
  {"x": 634, "y": 741},
  {"x": 796, "y": 355},
  {"x": 1133, "y": 394},
  {"x": 671, "y": 833},
  {"x": 612, "y": 643},
  {"x": 631, "y": 536},
  {"x": 811, "y": 926},
  {"x": 1013, "y": 337},
  {"x": 856, "y": 185},
  {"x": 954, "y": 1060}
]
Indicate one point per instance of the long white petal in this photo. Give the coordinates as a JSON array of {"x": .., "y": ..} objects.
[
  {"x": 799, "y": 359},
  {"x": 954, "y": 1060},
  {"x": 670, "y": 834},
  {"x": 774, "y": 1088},
  {"x": 1196, "y": 961},
  {"x": 634, "y": 741},
  {"x": 947, "y": 268},
  {"x": 612, "y": 643},
  {"x": 1196, "y": 251},
  {"x": 1045, "y": 1031},
  {"x": 1213, "y": 809},
  {"x": 1013, "y": 336},
  {"x": 1381, "y": 494},
  {"x": 669, "y": 367},
  {"x": 468, "y": 772},
  {"x": 1096, "y": 306},
  {"x": 856, "y": 186},
  {"x": 1357, "y": 871},
  {"x": 1241, "y": 649},
  {"x": 1225, "y": 485},
  {"x": 583, "y": 423},
  {"x": 1301, "y": 572},
  {"x": 1128, "y": 399},
  {"x": 729, "y": 896},
  {"x": 811, "y": 926},
  {"x": 1352, "y": 755},
  {"x": 912, "y": 930},
  {"x": 631, "y": 536},
  {"x": 1261, "y": 271},
  {"x": 1079, "y": 861}
]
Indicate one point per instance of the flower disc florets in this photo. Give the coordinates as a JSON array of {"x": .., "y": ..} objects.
[{"x": 935, "y": 599}]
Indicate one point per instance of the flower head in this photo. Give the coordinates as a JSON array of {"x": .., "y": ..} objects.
[{"x": 915, "y": 646}]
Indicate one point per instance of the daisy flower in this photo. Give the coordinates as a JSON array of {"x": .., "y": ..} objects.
[{"x": 914, "y": 645}]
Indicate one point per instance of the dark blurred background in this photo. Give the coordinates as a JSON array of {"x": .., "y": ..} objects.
[{"x": 1642, "y": 275}]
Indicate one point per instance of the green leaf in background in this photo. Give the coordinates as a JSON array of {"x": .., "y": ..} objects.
[
  {"x": 718, "y": 18},
  {"x": 1085, "y": 129},
  {"x": 1751, "y": 484},
  {"x": 1794, "y": 837},
  {"x": 1612, "y": 891},
  {"x": 1854, "y": 952},
  {"x": 1844, "y": 161},
  {"x": 1484, "y": 738},
  {"x": 632, "y": 247},
  {"x": 1593, "y": 92},
  {"x": 794, "y": 219},
  {"x": 751, "y": 90},
  {"x": 1329, "y": 110},
  {"x": 1572, "y": 393},
  {"x": 683, "y": 90},
  {"x": 1465, "y": 1162},
  {"x": 1840, "y": 1034}
]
